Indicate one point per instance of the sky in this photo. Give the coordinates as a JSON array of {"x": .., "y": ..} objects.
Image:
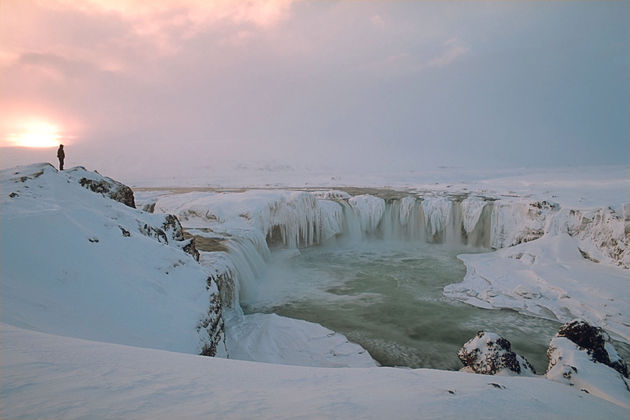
[{"x": 158, "y": 87}]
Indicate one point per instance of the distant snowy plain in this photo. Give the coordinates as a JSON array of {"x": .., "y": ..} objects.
[{"x": 64, "y": 273}]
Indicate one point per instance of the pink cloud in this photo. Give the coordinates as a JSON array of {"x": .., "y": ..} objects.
[{"x": 377, "y": 21}]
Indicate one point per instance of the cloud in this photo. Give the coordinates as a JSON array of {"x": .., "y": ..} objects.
[
  {"x": 284, "y": 79},
  {"x": 108, "y": 32},
  {"x": 377, "y": 21},
  {"x": 452, "y": 50},
  {"x": 152, "y": 17}
]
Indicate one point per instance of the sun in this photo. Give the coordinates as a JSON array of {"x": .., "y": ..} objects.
[{"x": 36, "y": 134}]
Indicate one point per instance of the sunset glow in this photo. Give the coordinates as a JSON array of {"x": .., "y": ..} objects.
[{"x": 36, "y": 134}]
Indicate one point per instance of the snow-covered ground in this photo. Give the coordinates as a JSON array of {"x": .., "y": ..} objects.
[
  {"x": 76, "y": 263},
  {"x": 79, "y": 264},
  {"x": 271, "y": 338},
  {"x": 48, "y": 376},
  {"x": 574, "y": 186}
]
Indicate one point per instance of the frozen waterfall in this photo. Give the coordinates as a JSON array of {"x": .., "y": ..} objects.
[{"x": 251, "y": 222}]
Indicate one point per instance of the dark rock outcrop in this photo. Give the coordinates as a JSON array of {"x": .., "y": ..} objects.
[
  {"x": 153, "y": 232},
  {"x": 489, "y": 353},
  {"x": 189, "y": 248},
  {"x": 595, "y": 341},
  {"x": 112, "y": 189},
  {"x": 149, "y": 208},
  {"x": 173, "y": 227},
  {"x": 582, "y": 356},
  {"x": 170, "y": 231},
  {"x": 212, "y": 324}
]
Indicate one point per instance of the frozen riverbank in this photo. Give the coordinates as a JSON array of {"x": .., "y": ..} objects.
[{"x": 548, "y": 278}]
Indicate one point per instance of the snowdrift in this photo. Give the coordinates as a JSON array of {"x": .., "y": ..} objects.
[{"x": 47, "y": 376}]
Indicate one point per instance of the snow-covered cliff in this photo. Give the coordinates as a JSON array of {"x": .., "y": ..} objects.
[{"x": 79, "y": 260}]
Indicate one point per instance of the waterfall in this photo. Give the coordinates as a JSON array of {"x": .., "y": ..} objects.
[{"x": 252, "y": 222}]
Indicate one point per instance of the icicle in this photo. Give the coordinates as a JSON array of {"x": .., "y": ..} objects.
[
  {"x": 472, "y": 207},
  {"x": 351, "y": 222},
  {"x": 436, "y": 211},
  {"x": 370, "y": 210},
  {"x": 330, "y": 220}
]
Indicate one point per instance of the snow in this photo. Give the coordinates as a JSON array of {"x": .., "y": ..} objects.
[
  {"x": 68, "y": 269},
  {"x": 572, "y": 366},
  {"x": 571, "y": 186},
  {"x": 294, "y": 213},
  {"x": 547, "y": 278},
  {"x": 490, "y": 354},
  {"x": 272, "y": 338},
  {"x": 47, "y": 376},
  {"x": 516, "y": 221}
]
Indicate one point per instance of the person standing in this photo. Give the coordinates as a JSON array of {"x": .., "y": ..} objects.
[{"x": 61, "y": 155}]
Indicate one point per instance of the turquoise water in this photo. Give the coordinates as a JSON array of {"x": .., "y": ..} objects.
[{"x": 387, "y": 296}]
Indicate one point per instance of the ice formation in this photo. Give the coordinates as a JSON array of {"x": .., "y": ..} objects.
[
  {"x": 436, "y": 213},
  {"x": 252, "y": 221},
  {"x": 472, "y": 207},
  {"x": 369, "y": 210}
]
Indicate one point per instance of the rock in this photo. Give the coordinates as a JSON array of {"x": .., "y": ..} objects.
[
  {"x": 582, "y": 356},
  {"x": 153, "y": 232},
  {"x": 213, "y": 326},
  {"x": 173, "y": 227},
  {"x": 114, "y": 190},
  {"x": 104, "y": 185},
  {"x": 189, "y": 248},
  {"x": 171, "y": 232},
  {"x": 490, "y": 354},
  {"x": 595, "y": 341}
]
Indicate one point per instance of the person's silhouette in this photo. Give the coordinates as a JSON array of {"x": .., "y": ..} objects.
[{"x": 61, "y": 155}]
